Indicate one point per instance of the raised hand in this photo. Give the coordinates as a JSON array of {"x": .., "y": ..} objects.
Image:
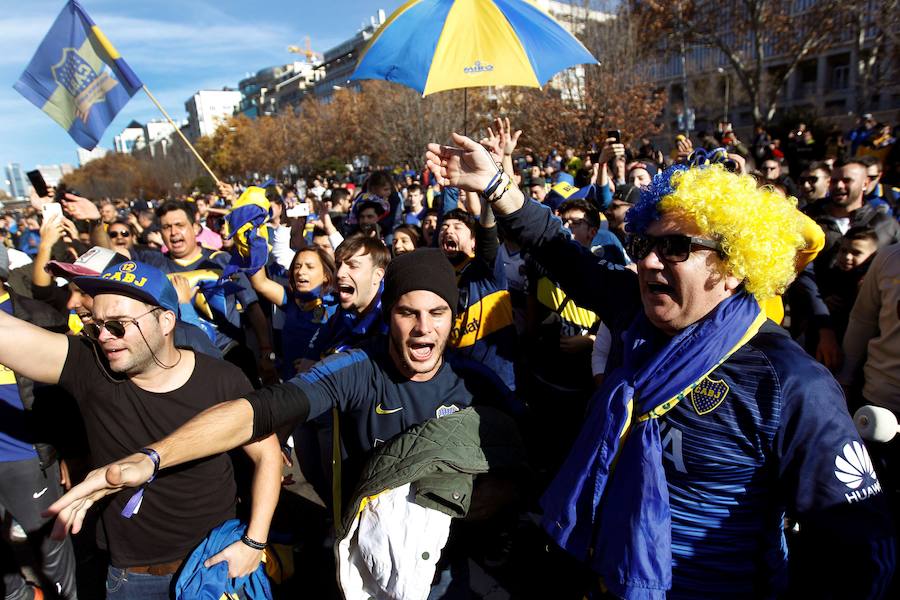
[
  {"x": 508, "y": 139},
  {"x": 183, "y": 288},
  {"x": 493, "y": 144},
  {"x": 52, "y": 229},
  {"x": 80, "y": 208},
  {"x": 468, "y": 165}
]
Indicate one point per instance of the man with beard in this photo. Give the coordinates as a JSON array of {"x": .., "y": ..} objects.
[{"x": 133, "y": 385}]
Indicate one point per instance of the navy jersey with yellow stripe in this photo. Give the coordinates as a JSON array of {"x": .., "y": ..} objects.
[{"x": 483, "y": 330}]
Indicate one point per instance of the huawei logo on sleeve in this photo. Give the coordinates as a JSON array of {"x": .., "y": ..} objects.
[{"x": 854, "y": 469}]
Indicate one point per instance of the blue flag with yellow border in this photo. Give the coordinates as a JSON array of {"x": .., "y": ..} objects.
[{"x": 77, "y": 77}]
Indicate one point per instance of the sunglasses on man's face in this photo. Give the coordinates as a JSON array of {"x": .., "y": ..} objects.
[
  {"x": 114, "y": 234},
  {"x": 115, "y": 327},
  {"x": 671, "y": 248}
]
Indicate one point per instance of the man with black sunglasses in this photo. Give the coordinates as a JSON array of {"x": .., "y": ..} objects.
[
  {"x": 712, "y": 425},
  {"x": 133, "y": 385}
]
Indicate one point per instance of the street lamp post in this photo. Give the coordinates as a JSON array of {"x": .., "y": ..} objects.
[{"x": 727, "y": 90}]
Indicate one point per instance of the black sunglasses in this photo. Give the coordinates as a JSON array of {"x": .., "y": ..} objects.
[
  {"x": 671, "y": 248},
  {"x": 116, "y": 327},
  {"x": 114, "y": 234}
]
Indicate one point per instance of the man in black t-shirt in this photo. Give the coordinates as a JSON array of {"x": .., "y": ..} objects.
[
  {"x": 381, "y": 389},
  {"x": 133, "y": 385}
]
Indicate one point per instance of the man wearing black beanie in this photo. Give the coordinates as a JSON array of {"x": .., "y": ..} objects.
[{"x": 380, "y": 389}]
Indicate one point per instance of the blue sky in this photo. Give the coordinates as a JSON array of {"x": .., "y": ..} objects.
[{"x": 175, "y": 46}]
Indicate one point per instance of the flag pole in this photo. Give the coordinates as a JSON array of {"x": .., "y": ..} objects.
[{"x": 181, "y": 135}]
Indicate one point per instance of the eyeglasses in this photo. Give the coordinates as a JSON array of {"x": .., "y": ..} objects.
[
  {"x": 114, "y": 234},
  {"x": 116, "y": 327},
  {"x": 809, "y": 179},
  {"x": 671, "y": 248},
  {"x": 570, "y": 223}
]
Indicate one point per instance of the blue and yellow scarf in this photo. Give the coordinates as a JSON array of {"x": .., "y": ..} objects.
[{"x": 609, "y": 503}]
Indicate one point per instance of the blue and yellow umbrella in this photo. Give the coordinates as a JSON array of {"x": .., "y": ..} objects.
[{"x": 437, "y": 45}]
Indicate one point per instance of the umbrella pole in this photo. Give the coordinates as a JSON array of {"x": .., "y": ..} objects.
[{"x": 465, "y": 111}]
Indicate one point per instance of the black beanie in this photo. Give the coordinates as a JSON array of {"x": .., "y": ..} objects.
[{"x": 422, "y": 269}]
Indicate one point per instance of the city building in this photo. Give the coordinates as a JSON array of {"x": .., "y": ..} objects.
[
  {"x": 16, "y": 181},
  {"x": 266, "y": 92},
  {"x": 824, "y": 84},
  {"x": 207, "y": 109},
  {"x": 132, "y": 137},
  {"x": 339, "y": 62},
  {"x": 158, "y": 136},
  {"x": 86, "y": 156}
]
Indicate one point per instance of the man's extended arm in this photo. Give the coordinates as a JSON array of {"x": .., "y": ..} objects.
[{"x": 31, "y": 351}]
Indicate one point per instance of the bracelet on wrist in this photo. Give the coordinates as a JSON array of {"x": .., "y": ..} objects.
[
  {"x": 154, "y": 456},
  {"x": 499, "y": 189},
  {"x": 247, "y": 541}
]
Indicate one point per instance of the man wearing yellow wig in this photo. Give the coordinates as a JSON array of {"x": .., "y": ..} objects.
[{"x": 712, "y": 425}]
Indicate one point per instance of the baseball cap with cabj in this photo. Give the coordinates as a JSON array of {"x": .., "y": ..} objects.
[{"x": 133, "y": 280}]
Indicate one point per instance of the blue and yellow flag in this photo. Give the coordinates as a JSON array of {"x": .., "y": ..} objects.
[
  {"x": 246, "y": 224},
  {"x": 78, "y": 78}
]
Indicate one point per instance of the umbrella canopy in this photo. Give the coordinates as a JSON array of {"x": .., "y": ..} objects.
[{"x": 437, "y": 45}]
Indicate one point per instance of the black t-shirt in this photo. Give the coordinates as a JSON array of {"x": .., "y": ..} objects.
[{"x": 185, "y": 502}]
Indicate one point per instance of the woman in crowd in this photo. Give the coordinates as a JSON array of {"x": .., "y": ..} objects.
[{"x": 306, "y": 300}]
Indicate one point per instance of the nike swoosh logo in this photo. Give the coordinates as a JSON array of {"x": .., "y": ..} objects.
[
  {"x": 37, "y": 495},
  {"x": 380, "y": 410}
]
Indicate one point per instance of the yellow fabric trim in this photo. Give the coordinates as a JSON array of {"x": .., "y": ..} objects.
[
  {"x": 105, "y": 43},
  {"x": 75, "y": 324},
  {"x": 774, "y": 308},
  {"x": 492, "y": 313},
  {"x": 815, "y": 242},
  {"x": 478, "y": 47},
  {"x": 671, "y": 402},
  {"x": 7, "y": 376},
  {"x": 552, "y": 297}
]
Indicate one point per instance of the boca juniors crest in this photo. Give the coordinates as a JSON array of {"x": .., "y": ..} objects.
[
  {"x": 84, "y": 84},
  {"x": 708, "y": 395}
]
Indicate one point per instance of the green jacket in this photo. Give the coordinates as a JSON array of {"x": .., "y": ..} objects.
[{"x": 442, "y": 456}]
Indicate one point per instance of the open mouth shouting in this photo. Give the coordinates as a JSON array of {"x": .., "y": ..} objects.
[
  {"x": 345, "y": 293},
  {"x": 421, "y": 351},
  {"x": 448, "y": 244}
]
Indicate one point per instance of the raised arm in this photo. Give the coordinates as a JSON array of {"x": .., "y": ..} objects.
[
  {"x": 268, "y": 289},
  {"x": 31, "y": 351},
  {"x": 471, "y": 167}
]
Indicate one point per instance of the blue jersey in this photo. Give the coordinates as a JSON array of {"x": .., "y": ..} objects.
[
  {"x": 15, "y": 441},
  {"x": 766, "y": 434},
  {"x": 375, "y": 401},
  {"x": 302, "y": 321}
]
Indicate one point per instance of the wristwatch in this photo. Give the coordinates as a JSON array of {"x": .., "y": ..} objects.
[{"x": 271, "y": 356}]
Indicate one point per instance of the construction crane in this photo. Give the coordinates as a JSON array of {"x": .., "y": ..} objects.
[{"x": 311, "y": 55}]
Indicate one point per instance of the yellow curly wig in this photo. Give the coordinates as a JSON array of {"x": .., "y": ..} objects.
[{"x": 759, "y": 229}]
